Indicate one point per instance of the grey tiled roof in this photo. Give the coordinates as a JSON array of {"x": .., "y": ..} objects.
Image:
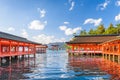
[
  {"x": 14, "y": 37},
  {"x": 92, "y": 39}
]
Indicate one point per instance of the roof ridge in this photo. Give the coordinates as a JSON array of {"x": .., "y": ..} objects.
[
  {"x": 97, "y": 35},
  {"x": 12, "y": 35}
]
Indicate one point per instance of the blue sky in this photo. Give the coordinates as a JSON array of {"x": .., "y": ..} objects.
[{"x": 48, "y": 21}]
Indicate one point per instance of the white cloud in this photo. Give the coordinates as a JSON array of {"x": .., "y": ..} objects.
[
  {"x": 96, "y": 22},
  {"x": 66, "y": 22},
  {"x": 103, "y": 5},
  {"x": 42, "y": 13},
  {"x": 117, "y": 18},
  {"x": 7, "y": 29},
  {"x": 37, "y": 25},
  {"x": 118, "y": 3},
  {"x": 24, "y": 33},
  {"x": 46, "y": 39},
  {"x": 11, "y": 29},
  {"x": 69, "y": 31},
  {"x": 60, "y": 40},
  {"x": 72, "y": 6},
  {"x": 63, "y": 28}
]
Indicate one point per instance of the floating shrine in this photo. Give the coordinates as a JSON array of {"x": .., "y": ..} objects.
[
  {"x": 107, "y": 45},
  {"x": 11, "y": 45},
  {"x": 55, "y": 47}
]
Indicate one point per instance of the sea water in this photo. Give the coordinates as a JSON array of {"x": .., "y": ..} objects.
[{"x": 57, "y": 65}]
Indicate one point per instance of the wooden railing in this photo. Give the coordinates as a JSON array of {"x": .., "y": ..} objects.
[{"x": 90, "y": 51}]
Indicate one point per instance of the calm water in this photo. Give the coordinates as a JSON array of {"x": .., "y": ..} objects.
[{"x": 56, "y": 65}]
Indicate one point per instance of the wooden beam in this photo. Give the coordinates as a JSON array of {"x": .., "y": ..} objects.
[
  {"x": 10, "y": 48},
  {"x": 0, "y": 48}
]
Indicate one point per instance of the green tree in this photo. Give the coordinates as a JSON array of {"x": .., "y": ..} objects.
[
  {"x": 92, "y": 32},
  {"x": 67, "y": 46},
  {"x": 111, "y": 29},
  {"x": 83, "y": 32},
  {"x": 118, "y": 28},
  {"x": 100, "y": 29}
]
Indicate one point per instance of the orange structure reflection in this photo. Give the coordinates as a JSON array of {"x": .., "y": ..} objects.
[
  {"x": 95, "y": 66},
  {"x": 15, "y": 70}
]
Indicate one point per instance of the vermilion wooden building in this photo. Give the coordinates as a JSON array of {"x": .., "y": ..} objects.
[
  {"x": 11, "y": 45},
  {"x": 55, "y": 47},
  {"x": 94, "y": 44},
  {"x": 41, "y": 48}
]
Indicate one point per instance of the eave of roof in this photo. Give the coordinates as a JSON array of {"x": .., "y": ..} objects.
[
  {"x": 117, "y": 38},
  {"x": 94, "y": 39},
  {"x": 8, "y": 36},
  {"x": 96, "y": 35},
  {"x": 83, "y": 43}
]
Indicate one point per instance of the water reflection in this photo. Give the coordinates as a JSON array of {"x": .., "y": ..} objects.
[
  {"x": 15, "y": 70},
  {"x": 95, "y": 68},
  {"x": 57, "y": 65}
]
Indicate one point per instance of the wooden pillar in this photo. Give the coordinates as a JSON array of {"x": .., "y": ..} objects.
[
  {"x": 109, "y": 56},
  {"x": 34, "y": 55},
  {"x": 0, "y": 61},
  {"x": 113, "y": 59},
  {"x": 109, "y": 48},
  {"x": 72, "y": 47},
  {"x": 28, "y": 49},
  {"x": 103, "y": 55},
  {"x": 23, "y": 49},
  {"x": 94, "y": 51},
  {"x": 10, "y": 48},
  {"x": 17, "y": 48},
  {"x": 79, "y": 49},
  {"x": 28, "y": 56},
  {"x": 106, "y": 56},
  {"x": 10, "y": 58},
  {"x": 34, "y": 62},
  {"x": 113, "y": 48},
  {"x": 22, "y": 56},
  {"x": 0, "y": 48},
  {"x": 118, "y": 48},
  {"x": 0, "y": 52},
  {"x": 28, "y": 60},
  {"x": 34, "y": 50},
  {"x": 45, "y": 49},
  {"x": 18, "y": 61},
  {"x": 118, "y": 58}
]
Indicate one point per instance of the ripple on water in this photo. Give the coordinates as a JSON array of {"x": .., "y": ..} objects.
[{"x": 56, "y": 65}]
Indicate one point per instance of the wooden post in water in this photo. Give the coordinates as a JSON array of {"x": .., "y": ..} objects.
[
  {"x": 103, "y": 55},
  {"x": 113, "y": 59},
  {"x": 22, "y": 56},
  {"x": 106, "y": 56},
  {"x": 17, "y": 61},
  {"x": 28, "y": 56},
  {"x": 0, "y": 61},
  {"x": 34, "y": 55},
  {"x": 118, "y": 58},
  {"x": 10, "y": 59},
  {"x": 109, "y": 57}
]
